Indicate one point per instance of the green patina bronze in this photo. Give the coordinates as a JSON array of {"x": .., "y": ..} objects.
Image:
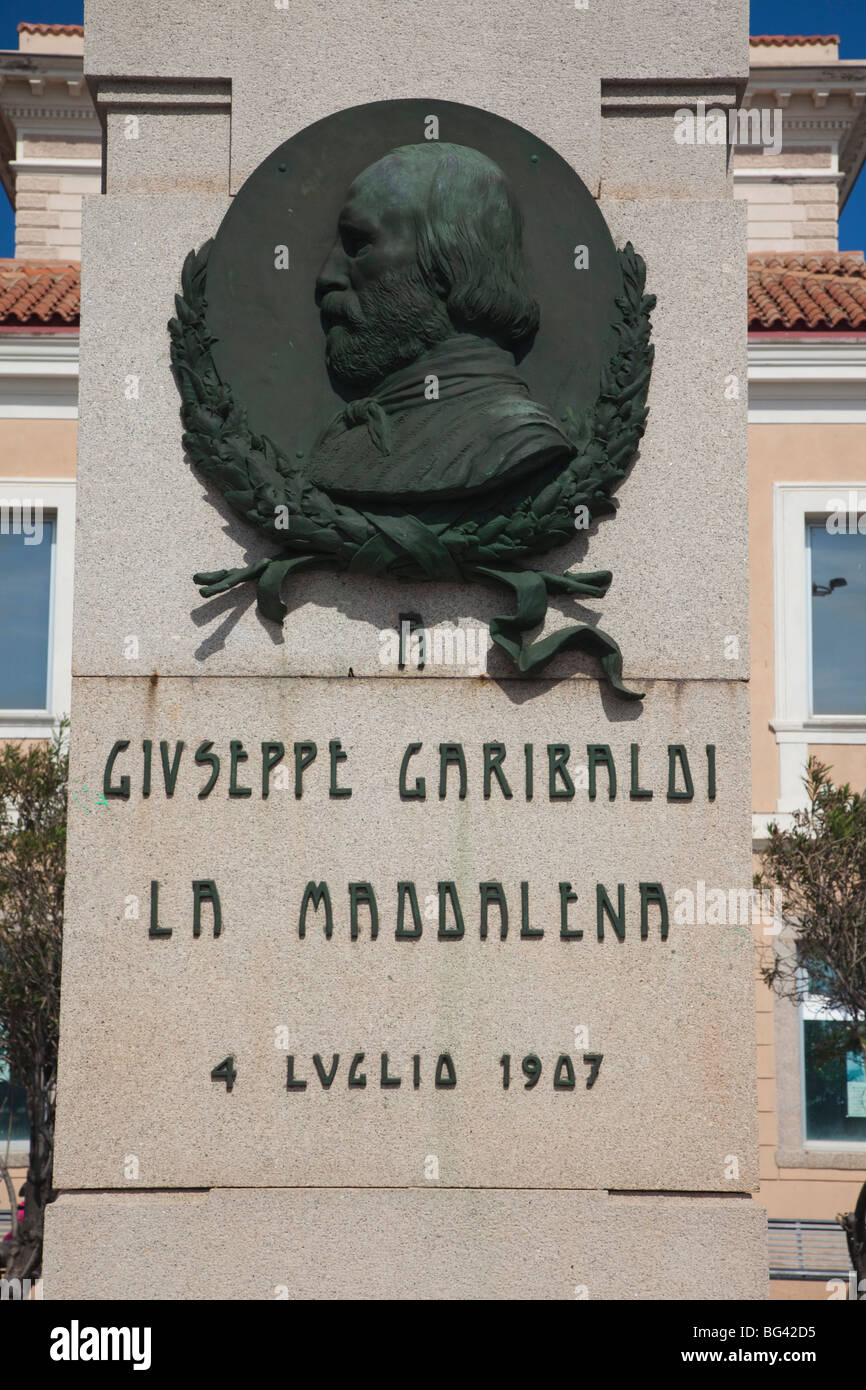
[
  {"x": 439, "y": 465},
  {"x": 425, "y": 306}
]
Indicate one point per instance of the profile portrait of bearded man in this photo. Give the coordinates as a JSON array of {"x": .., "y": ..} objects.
[{"x": 425, "y": 307}]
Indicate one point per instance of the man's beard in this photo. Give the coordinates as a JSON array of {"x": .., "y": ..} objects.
[{"x": 372, "y": 333}]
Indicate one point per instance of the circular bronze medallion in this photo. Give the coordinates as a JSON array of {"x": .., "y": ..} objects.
[
  {"x": 414, "y": 319},
  {"x": 413, "y": 352}
]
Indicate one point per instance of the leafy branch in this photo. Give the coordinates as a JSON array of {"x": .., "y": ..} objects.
[
  {"x": 819, "y": 865},
  {"x": 33, "y": 793}
]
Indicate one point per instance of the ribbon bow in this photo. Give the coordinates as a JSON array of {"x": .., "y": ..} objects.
[{"x": 368, "y": 411}]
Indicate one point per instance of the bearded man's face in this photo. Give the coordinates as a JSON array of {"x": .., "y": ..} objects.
[
  {"x": 375, "y": 331},
  {"x": 377, "y": 311}
]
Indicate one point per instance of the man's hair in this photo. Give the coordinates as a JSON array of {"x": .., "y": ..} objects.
[{"x": 470, "y": 244}]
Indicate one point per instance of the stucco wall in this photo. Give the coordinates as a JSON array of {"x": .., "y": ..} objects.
[
  {"x": 38, "y": 448},
  {"x": 797, "y": 453},
  {"x": 790, "y": 453}
]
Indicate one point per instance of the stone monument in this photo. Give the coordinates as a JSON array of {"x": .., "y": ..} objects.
[{"x": 408, "y": 937}]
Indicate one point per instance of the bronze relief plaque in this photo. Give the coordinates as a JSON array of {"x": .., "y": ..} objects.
[{"x": 412, "y": 350}]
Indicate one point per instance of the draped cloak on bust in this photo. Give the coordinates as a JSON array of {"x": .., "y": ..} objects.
[{"x": 482, "y": 429}]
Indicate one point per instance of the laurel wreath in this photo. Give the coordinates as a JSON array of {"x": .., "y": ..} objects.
[{"x": 477, "y": 541}]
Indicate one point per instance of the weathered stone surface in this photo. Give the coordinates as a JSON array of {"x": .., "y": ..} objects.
[
  {"x": 678, "y": 548},
  {"x": 145, "y": 1020},
  {"x": 405, "y": 1245},
  {"x": 641, "y": 159},
  {"x": 168, "y": 152},
  {"x": 416, "y": 50}
]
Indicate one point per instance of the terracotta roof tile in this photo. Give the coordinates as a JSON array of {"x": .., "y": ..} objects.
[
  {"x": 788, "y": 292},
  {"x": 822, "y": 291},
  {"x": 25, "y": 27},
  {"x": 792, "y": 40},
  {"x": 40, "y": 294}
]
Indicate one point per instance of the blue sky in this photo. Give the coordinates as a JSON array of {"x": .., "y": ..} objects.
[{"x": 847, "y": 18}]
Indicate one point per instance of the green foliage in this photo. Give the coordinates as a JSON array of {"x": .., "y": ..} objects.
[
  {"x": 33, "y": 793},
  {"x": 820, "y": 867}
]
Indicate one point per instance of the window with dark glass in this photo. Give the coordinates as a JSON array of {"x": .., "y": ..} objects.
[
  {"x": 834, "y": 1080},
  {"x": 26, "y": 568},
  {"x": 835, "y": 1087},
  {"x": 838, "y": 620},
  {"x": 14, "y": 1129}
]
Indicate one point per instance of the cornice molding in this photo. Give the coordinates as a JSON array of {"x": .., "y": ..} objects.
[
  {"x": 805, "y": 361},
  {"x": 39, "y": 354},
  {"x": 51, "y": 113}
]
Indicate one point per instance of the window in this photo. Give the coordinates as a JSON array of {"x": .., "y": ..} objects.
[
  {"x": 14, "y": 1130},
  {"x": 26, "y": 565},
  {"x": 837, "y": 584},
  {"x": 819, "y": 637},
  {"x": 821, "y": 1099},
  {"x": 37, "y": 521},
  {"x": 834, "y": 1090}
]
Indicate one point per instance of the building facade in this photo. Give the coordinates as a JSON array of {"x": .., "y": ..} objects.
[
  {"x": 50, "y": 157},
  {"x": 807, "y": 460}
]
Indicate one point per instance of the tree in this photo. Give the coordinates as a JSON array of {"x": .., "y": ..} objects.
[
  {"x": 33, "y": 794},
  {"x": 820, "y": 866}
]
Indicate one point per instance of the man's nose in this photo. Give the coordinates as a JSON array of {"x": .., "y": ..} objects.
[{"x": 334, "y": 274}]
